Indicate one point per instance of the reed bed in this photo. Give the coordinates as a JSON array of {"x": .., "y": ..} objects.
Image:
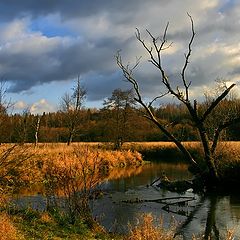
[{"x": 30, "y": 163}]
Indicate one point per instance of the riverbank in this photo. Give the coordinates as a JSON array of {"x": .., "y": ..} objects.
[
  {"x": 58, "y": 166},
  {"x": 59, "y": 171}
]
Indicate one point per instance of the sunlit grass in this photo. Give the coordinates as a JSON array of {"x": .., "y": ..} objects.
[
  {"x": 66, "y": 164},
  {"x": 60, "y": 155},
  {"x": 7, "y": 229},
  {"x": 147, "y": 230}
]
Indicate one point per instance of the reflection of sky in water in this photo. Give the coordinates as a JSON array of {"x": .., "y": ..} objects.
[{"x": 115, "y": 214}]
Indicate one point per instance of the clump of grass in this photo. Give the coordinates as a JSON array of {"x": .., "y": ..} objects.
[
  {"x": 229, "y": 235},
  {"x": 148, "y": 231}
]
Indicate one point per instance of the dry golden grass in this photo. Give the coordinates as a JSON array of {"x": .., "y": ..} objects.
[
  {"x": 7, "y": 229},
  {"x": 147, "y": 230},
  {"x": 62, "y": 156},
  {"x": 190, "y": 144}
]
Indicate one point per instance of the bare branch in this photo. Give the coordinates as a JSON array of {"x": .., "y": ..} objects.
[
  {"x": 216, "y": 102},
  {"x": 157, "y": 97},
  {"x": 220, "y": 129},
  {"x": 187, "y": 56},
  {"x": 128, "y": 74}
]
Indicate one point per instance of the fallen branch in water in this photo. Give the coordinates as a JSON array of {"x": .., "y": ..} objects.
[
  {"x": 161, "y": 200},
  {"x": 156, "y": 180},
  {"x": 178, "y": 203}
]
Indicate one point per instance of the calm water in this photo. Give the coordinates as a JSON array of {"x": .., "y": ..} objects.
[{"x": 211, "y": 215}]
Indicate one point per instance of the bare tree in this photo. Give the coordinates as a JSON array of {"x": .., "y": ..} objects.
[
  {"x": 5, "y": 105},
  {"x": 182, "y": 94},
  {"x": 37, "y": 127},
  {"x": 71, "y": 105}
]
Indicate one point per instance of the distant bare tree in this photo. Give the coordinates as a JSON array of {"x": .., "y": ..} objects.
[
  {"x": 5, "y": 105},
  {"x": 71, "y": 105},
  {"x": 37, "y": 127},
  {"x": 154, "y": 50}
]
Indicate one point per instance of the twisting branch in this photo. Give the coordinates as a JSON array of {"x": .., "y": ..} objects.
[
  {"x": 155, "y": 52},
  {"x": 216, "y": 102},
  {"x": 220, "y": 129},
  {"x": 158, "y": 49},
  {"x": 157, "y": 97},
  {"x": 187, "y": 56},
  {"x": 128, "y": 74}
]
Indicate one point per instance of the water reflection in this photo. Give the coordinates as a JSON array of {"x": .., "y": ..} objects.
[{"x": 211, "y": 216}]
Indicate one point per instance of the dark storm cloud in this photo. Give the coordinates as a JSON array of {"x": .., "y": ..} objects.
[
  {"x": 67, "y": 9},
  {"x": 60, "y": 63}
]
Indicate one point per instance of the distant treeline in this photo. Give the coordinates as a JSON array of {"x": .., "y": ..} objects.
[{"x": 110, "y": 123}]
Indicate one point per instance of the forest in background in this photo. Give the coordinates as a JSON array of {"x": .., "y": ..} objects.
[{"x": 118, "y": 120}]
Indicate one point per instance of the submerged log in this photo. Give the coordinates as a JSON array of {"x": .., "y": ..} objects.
[
  {"x": 173, "y": 186},
  {"x": 176, "y": 186},
  {"x": 168, "y": 200}
]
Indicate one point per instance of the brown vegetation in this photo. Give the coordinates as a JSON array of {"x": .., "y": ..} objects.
[
  {"x": 7, "y": 229},
  {"x": 147, "y": 230}
]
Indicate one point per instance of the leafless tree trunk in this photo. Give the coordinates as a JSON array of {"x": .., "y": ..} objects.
[
  {"x": 181, "y": 93},
  {"x": 71, "y": 105},
  {"x": 37, "y": 129}
]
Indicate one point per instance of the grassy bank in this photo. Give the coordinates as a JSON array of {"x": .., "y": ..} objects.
[
  {"x": 30, "y": 225},
  {"x": 59, "y": 172},
  {"x": 66, "y": 171}
]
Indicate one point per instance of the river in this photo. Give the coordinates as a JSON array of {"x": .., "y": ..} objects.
[
  {"x": 126, "y": 189},
  {"x": 211, "y": 215}
]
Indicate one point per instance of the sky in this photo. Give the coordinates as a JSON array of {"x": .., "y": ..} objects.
[{"x": 45, "y": 45}]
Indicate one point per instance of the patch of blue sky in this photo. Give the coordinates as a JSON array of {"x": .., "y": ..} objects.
[
  {"x": 52, "y": 92},
  {"x": 51, "y": 26},
  {"x": 228, "y": 4}
]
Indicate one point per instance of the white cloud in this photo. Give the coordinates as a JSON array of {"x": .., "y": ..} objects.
[
  {"x": 20, "y": 105},
  {"x": 41, "y": 106},
  {"x": 31, "y": 56}
]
